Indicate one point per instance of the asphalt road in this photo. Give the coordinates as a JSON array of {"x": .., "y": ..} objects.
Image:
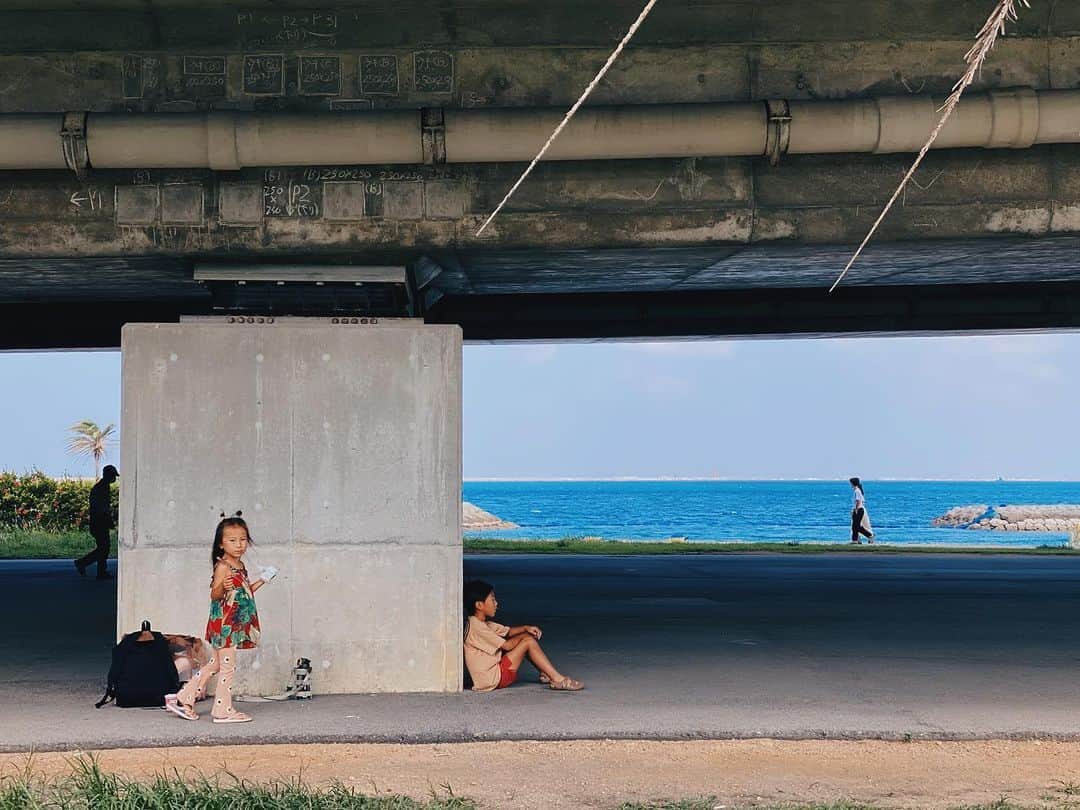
[{"x": 670, "y": 647}]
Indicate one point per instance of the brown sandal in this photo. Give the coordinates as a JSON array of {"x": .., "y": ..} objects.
[{"x": 566, "y": 685}]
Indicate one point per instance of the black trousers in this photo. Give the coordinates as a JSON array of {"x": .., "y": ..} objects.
[
  {"x": 856, "y": 525},
  {"x": 99, "y": 554}
]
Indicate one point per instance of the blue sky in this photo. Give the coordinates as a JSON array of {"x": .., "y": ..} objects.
[{"x": 956, "y": 407}]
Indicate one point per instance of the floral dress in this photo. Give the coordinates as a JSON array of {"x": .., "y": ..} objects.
[{"x": 234, "y": 621}]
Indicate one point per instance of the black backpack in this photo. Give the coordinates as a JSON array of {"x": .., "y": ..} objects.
[{"x": 142, "y": 672}]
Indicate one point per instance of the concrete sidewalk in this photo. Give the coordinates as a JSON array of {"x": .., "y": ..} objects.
[{"x": 670, "y": 648}]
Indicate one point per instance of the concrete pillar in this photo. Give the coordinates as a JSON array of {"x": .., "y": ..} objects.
[{"x": 342, "y": 446}]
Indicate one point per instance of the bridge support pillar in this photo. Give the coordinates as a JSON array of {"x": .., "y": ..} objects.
[{"x": 341, "y": 444}]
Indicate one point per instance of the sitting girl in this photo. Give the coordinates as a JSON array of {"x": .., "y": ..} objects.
[{"x": 494, "y": 652}]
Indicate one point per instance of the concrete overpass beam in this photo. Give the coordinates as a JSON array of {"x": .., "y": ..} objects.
[{"x": 342, "y": 446}]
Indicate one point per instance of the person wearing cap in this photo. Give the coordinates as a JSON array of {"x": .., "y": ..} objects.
[{"x": 101, "y": 523}]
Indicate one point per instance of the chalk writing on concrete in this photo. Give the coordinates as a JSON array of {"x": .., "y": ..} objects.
[
  {"x": 89, "y": 199},
  {"x": 317, "y": 175},
  {"x": 204, "y": 65},
  {"x": 264, "y": 75},
  {"x": 379, "y": 75},
  {"x": 433, "y": 72},
  {"x": 203, "y": 76},
  {"x": 286, "y": 196},
  {"x": 320, "y": 75},
  {"x": 292, "y": 29},
  {"x": 373, "y": 199},
  {"x": 140, "y": 75},
  {"x": 152, "y": 74}
]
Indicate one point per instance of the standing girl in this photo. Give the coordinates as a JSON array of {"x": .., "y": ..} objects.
[
  {"x": 860, "y": 518},
  {"x": 233, "y": 624}
]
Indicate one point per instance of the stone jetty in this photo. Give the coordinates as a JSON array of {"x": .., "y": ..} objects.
[
  {"x": 1023, "y": 518},
  {"x": 475, "y": 519}
]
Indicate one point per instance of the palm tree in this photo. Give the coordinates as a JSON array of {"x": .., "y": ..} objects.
[{"x": 89, "y": 440}]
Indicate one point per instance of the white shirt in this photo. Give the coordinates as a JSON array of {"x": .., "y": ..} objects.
[{"x": 859, "y": 499}]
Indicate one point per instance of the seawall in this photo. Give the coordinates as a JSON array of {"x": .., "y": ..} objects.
[{"x": 1022, "y": 518}]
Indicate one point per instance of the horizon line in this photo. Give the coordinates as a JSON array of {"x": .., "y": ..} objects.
[{"x": 884, "y": 479}]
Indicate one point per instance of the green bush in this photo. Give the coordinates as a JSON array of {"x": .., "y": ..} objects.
[{"x": 34, "y": 501}]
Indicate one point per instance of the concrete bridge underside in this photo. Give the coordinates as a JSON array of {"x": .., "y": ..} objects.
[{"x": 688, "y": 246}]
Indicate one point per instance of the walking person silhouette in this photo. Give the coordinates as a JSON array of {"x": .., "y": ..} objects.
[
  {"x": 860, "y": 518},
  {"x": 101, "y": 523}
]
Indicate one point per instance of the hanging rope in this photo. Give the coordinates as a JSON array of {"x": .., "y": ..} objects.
[
  {"x": 1005, "y": 11},
  {"x": 566, "y": 118}
]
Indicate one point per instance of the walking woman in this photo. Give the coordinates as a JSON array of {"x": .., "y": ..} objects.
[{"x": 860, "y": 518}]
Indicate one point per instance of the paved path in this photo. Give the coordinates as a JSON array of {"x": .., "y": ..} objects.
[{"x": 724, "y": 646}]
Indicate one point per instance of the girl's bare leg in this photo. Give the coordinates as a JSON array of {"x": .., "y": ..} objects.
[{"x": 531, "y": 647}]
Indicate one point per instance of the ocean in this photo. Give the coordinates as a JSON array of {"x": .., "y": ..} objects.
[{"x": 761, "y": 511}]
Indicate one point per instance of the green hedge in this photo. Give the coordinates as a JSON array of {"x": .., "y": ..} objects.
[{"x": 37, "y": 502}]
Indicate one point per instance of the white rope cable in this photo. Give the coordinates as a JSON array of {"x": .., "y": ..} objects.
[
  {"x": 1004, "y": 11},
  {"x": 566, "y": 119}
]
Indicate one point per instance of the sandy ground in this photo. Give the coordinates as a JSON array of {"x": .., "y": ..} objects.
[{"x": 600, "y": 774}]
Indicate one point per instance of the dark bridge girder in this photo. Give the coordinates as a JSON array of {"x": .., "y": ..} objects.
[
  {"x": 772, "y": 312},
  {"x": 767, "y": 312},
  {"x": 930, "y": 286}
]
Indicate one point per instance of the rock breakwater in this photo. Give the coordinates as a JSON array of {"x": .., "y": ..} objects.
[
  {"x": 475, "y": 519},
  {"x": 1022, "y": 518}
]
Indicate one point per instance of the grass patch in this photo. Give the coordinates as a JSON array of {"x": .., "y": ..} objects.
[
  {"x": 625, "y": 548},
  {"x": 31, "y": 545},
  {"x": 88, "y": 788}
]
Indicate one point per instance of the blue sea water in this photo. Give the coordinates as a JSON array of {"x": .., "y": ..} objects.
[{"x": 769, "y": 511}]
